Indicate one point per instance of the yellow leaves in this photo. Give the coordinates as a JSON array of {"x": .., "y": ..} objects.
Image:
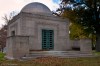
[{"x": 77, "y": 31}]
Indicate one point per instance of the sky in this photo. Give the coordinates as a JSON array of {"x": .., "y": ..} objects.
[{"x": 7, "y": 6}]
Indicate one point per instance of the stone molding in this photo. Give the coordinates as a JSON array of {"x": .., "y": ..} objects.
[{"x": 40, "y": 16}]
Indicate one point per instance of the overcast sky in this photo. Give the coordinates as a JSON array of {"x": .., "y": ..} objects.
[{"x": 7, "y": 6}]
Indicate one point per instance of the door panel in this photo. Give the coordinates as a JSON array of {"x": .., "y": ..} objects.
[{"x": 47, "y": 39}]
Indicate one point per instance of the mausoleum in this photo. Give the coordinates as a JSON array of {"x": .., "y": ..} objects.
[{"x": 36, "y": 29}]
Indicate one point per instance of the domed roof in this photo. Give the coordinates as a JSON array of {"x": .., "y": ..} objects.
[{"x": 36, "y": 7}]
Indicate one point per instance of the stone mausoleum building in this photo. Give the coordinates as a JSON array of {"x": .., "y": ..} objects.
[{"x": 36, "y": 29}]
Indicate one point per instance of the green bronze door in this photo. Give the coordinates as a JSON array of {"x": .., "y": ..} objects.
[{"x": 47, "y": 39}]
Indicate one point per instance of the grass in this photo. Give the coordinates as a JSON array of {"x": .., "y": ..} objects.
[
  {"x": 52, "y": 61},
  {"x": 2, "y": 56},
  {"x": 96, "y": 53}
]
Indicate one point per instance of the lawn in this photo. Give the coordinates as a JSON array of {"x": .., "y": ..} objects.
[
  {"x": 52, "y": 61},
  {"x": 1, "y": 56}
]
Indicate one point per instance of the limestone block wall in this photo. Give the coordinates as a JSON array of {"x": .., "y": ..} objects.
[
  {"x": 9, "y": 47},
  {"x": 15, "y": 26},
  {"x": 27, "y": 26},
  {"x": 48, "y": 26},
  {"x": 17, "y": 47},
  {"x": 32, "y": 26},
  {"x": 75, "y": 43},
  {"x": 61, "y": 33},
  {"x": 85, "y": 45},
  {"x": 63, "y": 36}
]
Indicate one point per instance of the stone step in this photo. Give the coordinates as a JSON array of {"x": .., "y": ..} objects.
[
  {"x": 60, "y": 54},
  {"x": 78, "y": 55},
  {"x": 57, "y": 52}
]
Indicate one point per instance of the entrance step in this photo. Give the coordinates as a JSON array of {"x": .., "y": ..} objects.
[{"x": 61, "y": 54}]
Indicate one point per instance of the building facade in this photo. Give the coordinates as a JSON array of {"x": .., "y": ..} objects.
[{"x": 36, "y": 29}]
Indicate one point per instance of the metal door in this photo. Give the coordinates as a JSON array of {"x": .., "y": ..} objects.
[{"x": 47, "y": 39}]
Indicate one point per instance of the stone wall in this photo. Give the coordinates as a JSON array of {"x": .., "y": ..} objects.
[
  {"x": 32, "y": 25},
  {"x": 17, "y": 47},
  {"x": 85, "y": 45},
  {"x": 75, "y": 43},
  {"x": 15, "y": 26}
]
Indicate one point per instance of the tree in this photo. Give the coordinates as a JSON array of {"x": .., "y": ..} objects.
[
  {"x": 9, "y": 17},
  {"x": 77, "y": 32},
  {"x": 3, "y": 36},
  {"x": 3, "y": 30},
  {"x": 85, "y": 13}
]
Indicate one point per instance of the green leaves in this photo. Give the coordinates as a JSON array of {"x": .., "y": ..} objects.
[
  {"x": 84, "y": 13},
  {"x": 77, "y": 32}
]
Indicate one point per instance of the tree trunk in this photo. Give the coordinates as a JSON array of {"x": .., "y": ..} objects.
[
  {"x": 97, "y": 26},
  {"x": 98, "y": 41}
]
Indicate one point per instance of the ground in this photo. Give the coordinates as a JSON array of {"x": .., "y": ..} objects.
[{"x": 52, "y": 61}]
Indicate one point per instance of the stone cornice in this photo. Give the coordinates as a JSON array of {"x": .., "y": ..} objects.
[
  {"x": 44, "y": 16},
  {"x": 14, "y": 18},
  {"x": 38, "y": 16}
]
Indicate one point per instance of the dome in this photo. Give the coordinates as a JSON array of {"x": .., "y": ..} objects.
[{"x": 36, "y": 7}]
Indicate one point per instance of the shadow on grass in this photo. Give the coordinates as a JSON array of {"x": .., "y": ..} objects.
[{"x": 96, "y": 53}]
